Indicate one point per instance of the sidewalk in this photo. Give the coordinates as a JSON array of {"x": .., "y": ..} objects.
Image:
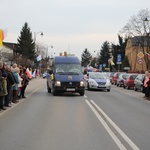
[{"x": 34, "y": 85}]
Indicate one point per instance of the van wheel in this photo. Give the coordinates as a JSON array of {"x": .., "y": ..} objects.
[
  {"x": 108, "y": 90},
  {"x": 82, "y": 93},
  {"x": 53, "y": 92}
]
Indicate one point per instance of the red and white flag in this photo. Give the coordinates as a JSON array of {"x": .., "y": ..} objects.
[{"x": 148, "y": 55}]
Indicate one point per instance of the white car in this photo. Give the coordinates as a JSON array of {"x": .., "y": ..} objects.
[{"x": 96, "y": 80}]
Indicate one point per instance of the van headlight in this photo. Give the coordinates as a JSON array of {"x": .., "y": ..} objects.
[
  {"x": 57, "y": 83},
  {"x": 81, "y": 83}
]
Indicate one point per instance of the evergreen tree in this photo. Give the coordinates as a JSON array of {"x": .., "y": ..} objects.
[
  {"x": 104, "y": 54},
  {"x": 26, "y": 45},
  {"x": 93, "y": 62},
  {"x": 86, "y": 58},
  {"x": 119, "y": 49},
  {"x": 125, "y": 62}
]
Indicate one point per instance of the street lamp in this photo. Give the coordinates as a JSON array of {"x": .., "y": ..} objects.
[
  {"x": 47, "y": 49},
  {"x": 35, "y": 34},
  {"x": 146, "y": 26}
]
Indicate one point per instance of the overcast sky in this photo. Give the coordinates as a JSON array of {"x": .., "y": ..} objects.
[{"x": 69, "y": 25}]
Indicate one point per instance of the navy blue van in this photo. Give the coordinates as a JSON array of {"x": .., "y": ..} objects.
[{"x": 65, "y": 75}]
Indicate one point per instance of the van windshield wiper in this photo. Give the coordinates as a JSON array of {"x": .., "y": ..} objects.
[
  {"x": 60, "y": 73},
  {"x": 73, "y": 73}
]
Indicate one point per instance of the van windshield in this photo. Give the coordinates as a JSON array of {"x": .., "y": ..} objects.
[{"x": 68, "y": 69}]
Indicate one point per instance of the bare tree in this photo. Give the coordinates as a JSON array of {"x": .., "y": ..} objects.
[{"x": 138, "y": 29}]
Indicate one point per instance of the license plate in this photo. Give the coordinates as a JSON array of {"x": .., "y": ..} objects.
[
  {"x": 101, "y": 86},
  {"x": 70, "y": 89}
]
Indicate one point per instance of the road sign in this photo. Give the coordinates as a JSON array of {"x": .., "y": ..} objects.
[
  {"x": 119, "y": 59},
  {"x": 140, "y": 55},
  {"x": 140, "y": 61},
  {"x": 104, "y": 65}
]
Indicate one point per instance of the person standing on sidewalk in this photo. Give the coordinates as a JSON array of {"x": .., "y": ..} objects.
[
  {"x": 3, "y": 90},
  {"x": 145, "y": 80},
  {"x": 10, "y": 83},
  {"x": 25, "y": 82},
  {"x": 15, "y": 87},
  {"x": 147, "y": 92}
]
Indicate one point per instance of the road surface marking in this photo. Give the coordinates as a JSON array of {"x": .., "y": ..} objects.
[{"x": 117, "y": 141}]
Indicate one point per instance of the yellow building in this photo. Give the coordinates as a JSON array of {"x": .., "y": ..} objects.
[{"x": 136, "y": 54}]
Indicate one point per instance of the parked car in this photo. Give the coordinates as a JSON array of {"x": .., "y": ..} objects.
[
  {"x": 121, "y": 79},
  {"x": 129, "y": 81},
  {"x": 111, "y": 76},
  {"x": 96, "y": 80},
  {"x": 115, "y": 77},
  {"x": 138, "y": 82}
]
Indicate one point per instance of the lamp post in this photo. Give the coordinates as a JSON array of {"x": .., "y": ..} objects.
[
  {"x": 147, "y": 26},
  {"x": 35, "y": 34},
  {"x": 51, "y": 46}
]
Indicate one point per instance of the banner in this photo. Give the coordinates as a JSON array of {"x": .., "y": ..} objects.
[{"x": 148, "y": 55}]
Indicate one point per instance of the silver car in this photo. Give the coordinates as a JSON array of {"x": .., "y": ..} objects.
[
  {"x": 138, "y": 82},
  {"x": 96, "y": 80}
]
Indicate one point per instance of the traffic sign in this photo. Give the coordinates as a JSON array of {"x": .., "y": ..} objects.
[
  {"x": 140, "y": 61},
  {"x": 119, "y": 59},
  {"x": 140, "y": 55}
]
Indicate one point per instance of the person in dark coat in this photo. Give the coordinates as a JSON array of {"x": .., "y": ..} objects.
[
  {"x": 148, "y": 89},
  {"x": 25, "y": 82},
  {"x": 3, "y": 90},
  {"x": 10, "y": 83},
  {"x": 145, "y": 79}
]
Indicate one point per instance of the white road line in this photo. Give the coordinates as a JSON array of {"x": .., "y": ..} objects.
[
  {"x": 114, "y": 137},
  {"x": 85, "y": 96},
  {"x": 124, "y": 136}
]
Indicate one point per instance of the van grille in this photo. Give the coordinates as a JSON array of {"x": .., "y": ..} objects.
[{"x": 70, "y": 84}]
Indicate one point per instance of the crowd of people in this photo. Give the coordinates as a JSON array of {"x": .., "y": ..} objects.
[{"x": 13, "y": 83}]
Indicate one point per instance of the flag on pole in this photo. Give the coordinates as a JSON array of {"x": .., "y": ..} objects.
[
  {"x": 28, "y": 73},
  {"x": 148, "y": 55},
  {"x": 112, "y": 63},
  {"x": 34, "y": 74},
  {"x": 1, "y": 38},
  {"x": 4, "y": 34},
  {"x": 38, "y": 58}
]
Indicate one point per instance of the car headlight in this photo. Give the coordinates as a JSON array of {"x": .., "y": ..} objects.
[
  {"x": 108, "y": 83},
  {"x": 81, "y": 83},
  {"x": 57, "y": 83},
  {"x": 93, "y": 82}
]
